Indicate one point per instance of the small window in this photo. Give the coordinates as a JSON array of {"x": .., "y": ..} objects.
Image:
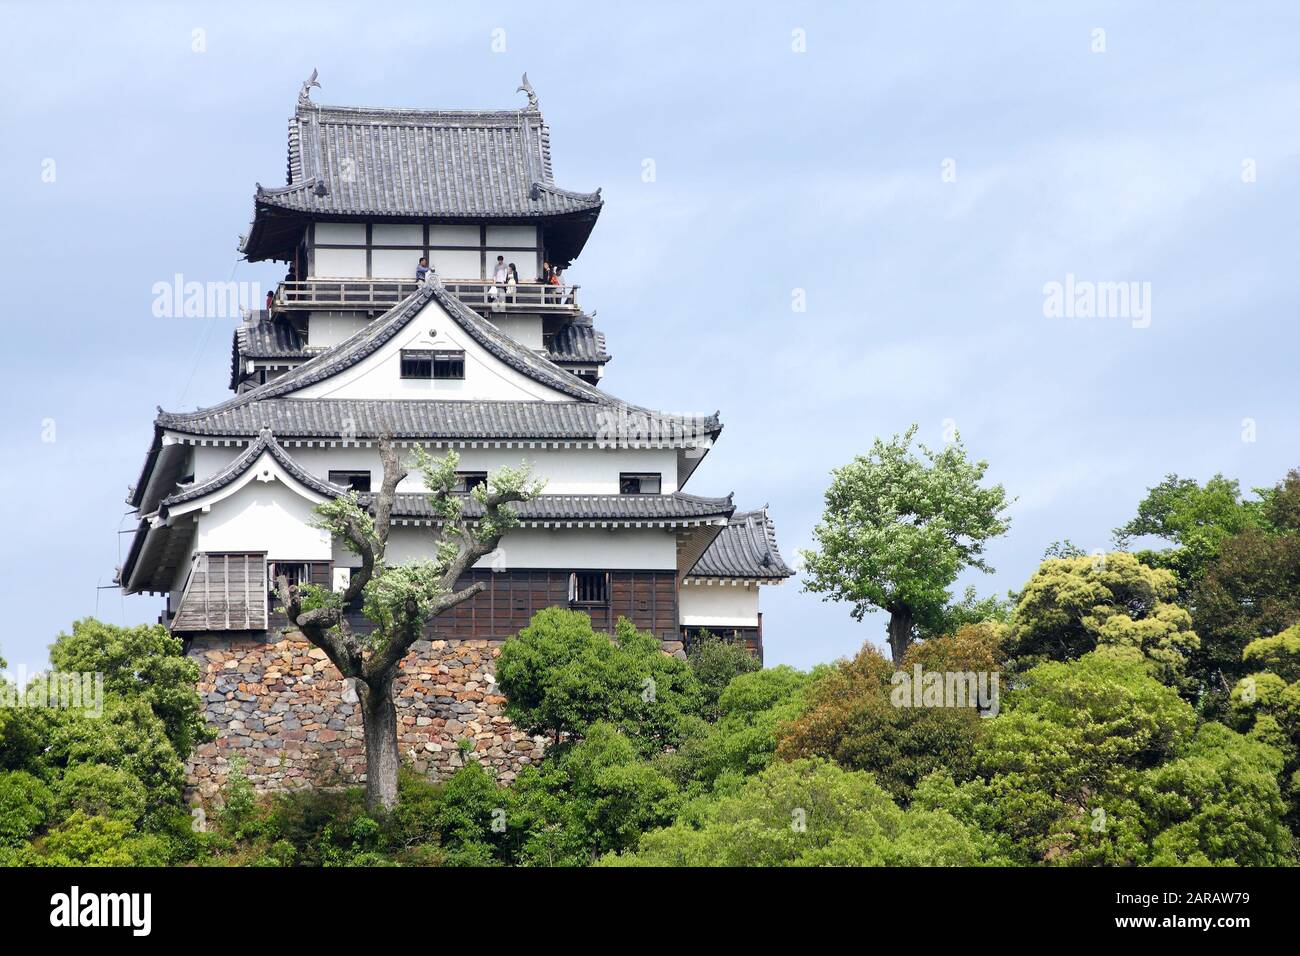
[
  {"x": 417, "y": 363},
  {"x": 448, "y": 364},
  {"x": 431, "y": 363},
  {"x": 639, "y": 483},
  {"x": 356, "y": 480},
  {"x": 296, "y": 571},
  {"x": 467, "y": 481},
  {"x": 589, "y": 587}
]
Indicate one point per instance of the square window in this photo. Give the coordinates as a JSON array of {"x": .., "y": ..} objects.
[
  {"x": 355, "y": 480},
  {"x": 449, "y": 365},
  {"x": 589, "y": 587},
  {"x": 639, "y": 483},
  {"x": 417, "y": 363},
  {"x": 467, "y": 481}
]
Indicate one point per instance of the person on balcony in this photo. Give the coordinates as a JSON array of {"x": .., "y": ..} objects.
[
  {"x": 499, "y": 272},
  {"x": 512, "y": 283},
  {"x": 422, "y": 269},
  {"x": 544, "y": 280}
]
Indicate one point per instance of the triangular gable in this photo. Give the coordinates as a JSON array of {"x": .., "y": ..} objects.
[
  {"x": 489, "y": 373},
  {"x": 264, "y": 461}
]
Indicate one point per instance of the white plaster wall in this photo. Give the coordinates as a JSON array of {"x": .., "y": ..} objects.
[
  {"x": 457, "y": 263},
  {"x": 394, "y": 263},
  {"x": 524, "y": 329},
  {"x": 325, "y": 329},
  {"x": 453, "y": 236},
  {"x": 568, "y": 471},
  {"x": 718, "y": 605},
  {"x": 341, "y": 233},
  {"x": 379, "y": 375},
  {"x": 511, "y": 236},
  {"x": 340, "y": 263},
  {"x": 397, "y": 234},
  {"x": 210, "y": 459},
  {"x": 634, "y": 549},
  {"x": 264, "y": 516}
]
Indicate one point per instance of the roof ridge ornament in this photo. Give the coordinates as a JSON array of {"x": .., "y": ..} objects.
[
  {"x": 526, "y": 87},
  {"x": 304, "y": 94}
]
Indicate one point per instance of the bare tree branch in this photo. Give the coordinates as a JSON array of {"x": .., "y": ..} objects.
[{"x": 394, "y": 471}]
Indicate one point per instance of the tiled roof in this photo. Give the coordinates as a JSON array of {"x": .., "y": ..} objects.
[
  {"x": 355, "y": 161},
  {"x": 746, "y": 548},
  {"x": 261, "y": 407},
  {"x": 578, "y": 343},
  {"x": 265, "y": 338},
  {"x": 265, "y": 443},
  {"x": 584, "y": 508},
  {"x": 269, "y": 338},
  {"x": 329, "y": 418}
]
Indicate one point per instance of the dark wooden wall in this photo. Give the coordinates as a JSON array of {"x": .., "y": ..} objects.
[{"x": 510, "y": 599}]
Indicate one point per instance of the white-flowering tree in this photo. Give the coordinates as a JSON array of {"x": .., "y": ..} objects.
[{"x": 398, "y": 600}]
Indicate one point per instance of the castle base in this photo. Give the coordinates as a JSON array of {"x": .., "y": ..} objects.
[{"x": 282, "y": 707}]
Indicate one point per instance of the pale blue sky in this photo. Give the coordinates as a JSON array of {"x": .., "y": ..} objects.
[{"x": 776, "y": 170}]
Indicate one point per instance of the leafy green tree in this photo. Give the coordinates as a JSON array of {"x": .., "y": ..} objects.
[
  {"x": 1238, "y": 568},
  {"x": 743, "y": 738},
  {"x": 1266, "y": 704},
  {"x": 1218, "y": 803},
  {"x": 1251, "y": 590},
  {"x": 810, "y": 813},
  {"x": 970, "y": 610},
  {"x": 1196, "y": 519},
  {"x": 852, "y": 719},
  {"x": 83, "y": 840},
  {"x": 1091, "y": 762},
  {"x": 560, "y": 676},
  {"x": 25, "y": 804},
  {"x": 145, "y": 662},
  {"x": 399, "y": 600},
  {"x": 897, "y": 530},
  {"x": 715, "y": 663},
  {"x": 1074, "y": 605},
  {"x": 100, "y": 790}
]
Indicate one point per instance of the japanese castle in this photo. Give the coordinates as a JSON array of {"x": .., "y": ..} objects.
[{"x": 354, "y": 344}]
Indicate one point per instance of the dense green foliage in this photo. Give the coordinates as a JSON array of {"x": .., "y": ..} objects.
[{"x": 1147, "y": 714}]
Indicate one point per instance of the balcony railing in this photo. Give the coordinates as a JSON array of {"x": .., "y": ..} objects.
[{"x": 382, "y": 294}]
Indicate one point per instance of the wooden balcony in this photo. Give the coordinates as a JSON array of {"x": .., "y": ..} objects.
[{"x": 379, "y": 295}]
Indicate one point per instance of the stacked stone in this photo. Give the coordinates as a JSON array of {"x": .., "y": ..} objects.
[{"x": 285, "y": 710}]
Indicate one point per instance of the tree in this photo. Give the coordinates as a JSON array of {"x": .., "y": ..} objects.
[
  {"x": 1093, "y": 761},
  {"x": 1073, "y": 605},
  {"x": 1251, "y": 590},
  {"x": 398, "y": 600},
  {"x": 743, "y": 738},
  {"x": 897, "y": 530},
  {"x": 146, "y": 662},
  {"x": 809, "y": 813},
  {"x": 1266, "y": 704},
  {"x": 715, "y": 663},
  {"x": 560, "y": 676},
  {"x": 850, "y": 717},
  {"x": 1196, "y": 519}
]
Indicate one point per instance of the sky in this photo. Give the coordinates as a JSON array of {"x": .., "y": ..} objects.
[{"x": 854, "y": 214}]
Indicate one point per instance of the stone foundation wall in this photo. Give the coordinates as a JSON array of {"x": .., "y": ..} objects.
[{"x": 283, "y": 707}]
